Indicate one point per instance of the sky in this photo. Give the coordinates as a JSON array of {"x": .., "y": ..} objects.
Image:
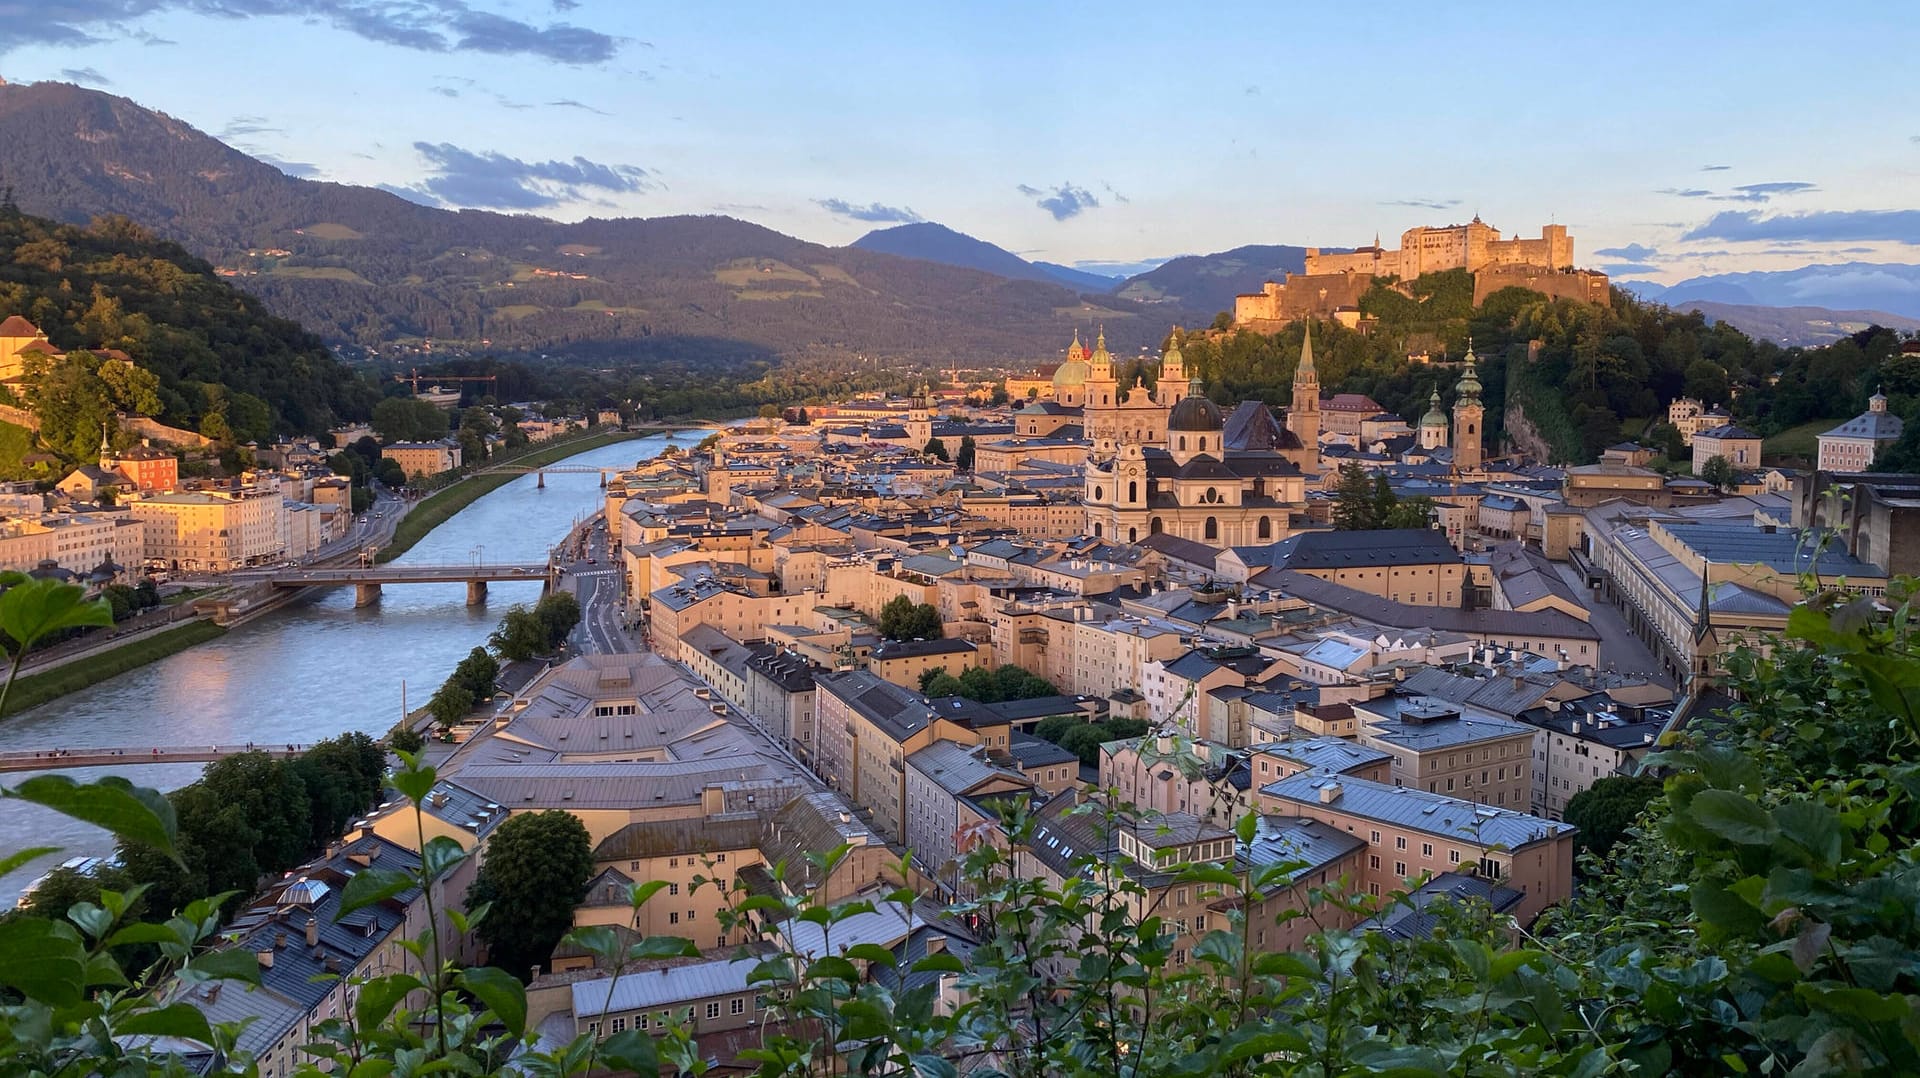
[{"x": 1673, "y": 139}]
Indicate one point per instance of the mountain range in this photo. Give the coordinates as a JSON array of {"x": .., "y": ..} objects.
[
  {"x": 938, "y": 243},
  {"x": 1806, "y": 305}
]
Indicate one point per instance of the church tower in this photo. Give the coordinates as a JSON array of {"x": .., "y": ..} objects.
[
  {"x": 1433, "y": 425},
  {"x": 1172, "y": 384},
  {"x": 1103, "y": 401},
  {"x": 1303, "y": 418},
  {"x": 919, "y": 418},
  {"x": 1467, "y": 417}
]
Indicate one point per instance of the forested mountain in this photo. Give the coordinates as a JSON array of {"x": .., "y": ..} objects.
[
  {"x": 1208, "y": 283},
  {"x": 212, "y": 351},
  {"x": 938, "y": 243},
  {"x": 1793, "y": 325},
  {"x": 363, "y": 266}
]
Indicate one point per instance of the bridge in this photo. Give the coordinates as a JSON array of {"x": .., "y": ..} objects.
[
  {"x": 368, "y": 579},
  {"x": 59, "y": 759}
]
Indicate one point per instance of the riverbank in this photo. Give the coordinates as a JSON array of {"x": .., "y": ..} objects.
[
  {"x": 438, "y": 507},
  {"x": 36, "y": 689}
]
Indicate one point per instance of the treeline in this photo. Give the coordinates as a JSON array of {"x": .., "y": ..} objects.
[
  {"x": 221, "y": 364},
  {"x": 248, "y": 816}
]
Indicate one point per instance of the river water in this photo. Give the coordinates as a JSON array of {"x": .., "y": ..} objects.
[{"x": 317, "y": 668}]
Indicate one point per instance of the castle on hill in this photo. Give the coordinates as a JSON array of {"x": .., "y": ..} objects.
[{"x": 1332, "y": 285}]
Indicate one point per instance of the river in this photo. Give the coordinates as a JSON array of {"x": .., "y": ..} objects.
[{"x": 317, "y": 668}]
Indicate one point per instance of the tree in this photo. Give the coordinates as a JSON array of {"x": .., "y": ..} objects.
[
  {"x": 536, "y": 871},
  {"x": 403, "y": 419},
  {"x": 903, "y": 619},
  {"x": 1718, "y": 470},
  {"x": 450, "y": 703},
  {"x": 937, "y": 449},
  {"x": 521, "y": 635},
  {"x": 963, "y": 459},
  {"x": 477, "y": 673},
  {"x": 1354, "y": 505},
  {"x": 1604, "y": 810},
  {"x": 558, "y": 612},
  {"x": 389, "y": 472},
  {"x": 407, "y": 739}
]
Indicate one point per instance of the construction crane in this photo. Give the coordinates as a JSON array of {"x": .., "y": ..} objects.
[{"x": 415, "y": 378}]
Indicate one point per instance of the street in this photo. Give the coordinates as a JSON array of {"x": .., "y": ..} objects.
[
  {"x": 596, "y": 583},
  {"x": 1620, "y": 650}
]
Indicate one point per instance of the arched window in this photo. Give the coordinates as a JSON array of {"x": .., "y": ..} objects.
[
  {"x": 1154, "y": 527},
  {"x": 1099, "y": 493},
  {"x": 1266, "y": 528},
  {"x": 1213, "y": 528},
  {"x": 1133, "y": 492},
  {"x": 1213, "y": 494},
  {"x": 1133, "y": 535},
  {"x": 1096, "y": 530},
  {"x": 1203, "y": 443},
  {"x": 1469, "y": 428},
  {"x": 1183, "y": 442}
]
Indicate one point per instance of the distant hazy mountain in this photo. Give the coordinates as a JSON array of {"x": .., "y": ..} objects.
[
  {"x": 937, "y": 243},
  {"x": 1208, "y": 283},
  {"x": 1796, "y": 325},
  {"x": 362, "y": 266},
  {"x": 1848, "y": 287}
]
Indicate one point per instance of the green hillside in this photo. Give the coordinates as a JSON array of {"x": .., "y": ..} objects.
[{"x": 218, "y": 362}]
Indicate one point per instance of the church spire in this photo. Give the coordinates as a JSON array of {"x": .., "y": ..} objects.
[
  {"x": 106, "y": 446},
  {"x": 1306, "y": 353}
]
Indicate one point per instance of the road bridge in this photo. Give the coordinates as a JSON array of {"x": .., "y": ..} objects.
[
  {"x": 60, "y": 759},
  {"x": 367, "y": 580}
]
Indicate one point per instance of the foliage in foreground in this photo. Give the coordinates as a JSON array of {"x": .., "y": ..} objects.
[{"x": 1763, "y": 917}]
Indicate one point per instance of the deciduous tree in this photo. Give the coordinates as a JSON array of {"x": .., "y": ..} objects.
[{"x": 536, "y": 871}]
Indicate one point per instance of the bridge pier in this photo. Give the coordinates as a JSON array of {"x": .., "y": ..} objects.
[
  {"x": 476, "y": 592},
  {"x": 541, "y": 482},
  {"x": 366, "y": 594},
  {"x": 603, "y": 480}
]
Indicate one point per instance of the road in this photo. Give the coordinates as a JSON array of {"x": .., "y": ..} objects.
[
  {"x": 1620, "y": 650},
  {"x": 596, "y": 582}
]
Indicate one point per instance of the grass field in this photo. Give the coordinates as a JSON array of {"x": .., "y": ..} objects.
[
  {"x": 36, "y": 689},
  {"x": 328, "y": 230},
  {"x": 1801, "y": 442},
  {"x": 435, "y": 511},
  {"x": 320, "y": 273}
]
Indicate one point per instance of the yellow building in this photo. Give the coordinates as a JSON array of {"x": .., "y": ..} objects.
[
  {"x": 77, "y": 542},
  {"x": 19, "y": 341},
  {"x": 420, "y": 459},
  {"x": 212, "y": 530},
  {"x": 1431, "y": 250}
]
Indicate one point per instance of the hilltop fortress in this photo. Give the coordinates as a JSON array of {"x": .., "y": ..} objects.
[{"x": 1333, "y": 283}]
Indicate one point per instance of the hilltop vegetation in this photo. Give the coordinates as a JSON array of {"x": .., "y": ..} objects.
[
  {"x": 1578, "y": 369},
  {"x": 217, "y": 361}
]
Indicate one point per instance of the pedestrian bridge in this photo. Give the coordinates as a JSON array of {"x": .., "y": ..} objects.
[
  {"x": 57, "y": 759},
  {"x": 367, "y": 580}
]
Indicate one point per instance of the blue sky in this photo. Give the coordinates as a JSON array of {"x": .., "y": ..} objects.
[{"x": 1672, "y": 139}]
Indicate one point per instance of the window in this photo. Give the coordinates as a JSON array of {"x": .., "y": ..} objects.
[
  {"x": 1373, "y": 862},
  {"x": 713, "y": 1009},
  {"x": 1400, "y": 843},
  {"x": 1453, "y": 856},
  {"x": 673, "y": 918},
  {"x": 1426, "y": 849},
  {"x": 673, "y": 888},
  {"x": 1374, "y": 837},
  {"x": 1213, "y": 528},
  {"x": 1266, "y": 528},
  {"x": 618, "y": 1025},
  {"x": 1199, "y": 922},
  {"x": 673, "y": 862},
  {"x": 720, "y": 859},
  {"x": 737, "y": 1005},
  {"x": 633, "y": 866},
  {"x": 1400, "y": 869},
  {"x": 642, "y": 1022}
]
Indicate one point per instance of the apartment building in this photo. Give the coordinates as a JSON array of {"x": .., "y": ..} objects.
[
  {"x": 867, "y": 727},
  {"x": 76, "y": 542},
  {"x": 943, "y": 779},
  {"x": 1437, "y": 747},
  {"x": 212, "y": 530},
  {"x": 422, "y": 459},
  {"x": 1579, "y": 742},
  {"x": 678, "y": 609}
]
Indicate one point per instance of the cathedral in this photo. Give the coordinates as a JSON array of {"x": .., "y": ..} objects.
[{"x": 1172, "y": 463}]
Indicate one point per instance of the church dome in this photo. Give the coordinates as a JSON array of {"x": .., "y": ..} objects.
[
  {"x": 1071, "y": 373},
  {"x": 1434, "y": 417},
  {"x": 1195, "y": 413}
]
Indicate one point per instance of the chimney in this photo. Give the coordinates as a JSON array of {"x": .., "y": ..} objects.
[
  {"x": 266, "y": 958},
  {"x": 279, "y": 940},
  {"x": 936, "y": 944},
  {"x": 313, "y": 932},
  {"x": 1330, "y": 793}
]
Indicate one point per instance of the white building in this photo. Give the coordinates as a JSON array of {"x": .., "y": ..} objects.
[{"x": 1853, "y": 445}]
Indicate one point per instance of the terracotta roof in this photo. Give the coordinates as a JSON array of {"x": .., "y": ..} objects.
[{"x": 16, "y": 326}]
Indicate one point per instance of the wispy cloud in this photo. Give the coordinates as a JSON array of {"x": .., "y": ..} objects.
[
  {"x": 1632, "y": 252},
  {"x": 1063, "y": 202},
  {"x": 1762, "y": 192},
  {"x": 1424, "y": 203},
  {"x": 1715, "y": 168},
  {"x": 299, "y": 169},
  {"x": 1115, "y": 195},
  {"x": 1819, "y": 226},
  {"x": 1684, "y": 192},
  {"x": 1124, "y": 269},
  {"x": 85, "y": 76},
  {"x": 241, "y": 127},
  {"x": 872, "y": 212},
  {"x": 570, "y": 103},
  {"x": 492, "y": 180},
  {"x": 442, "y": 26}
]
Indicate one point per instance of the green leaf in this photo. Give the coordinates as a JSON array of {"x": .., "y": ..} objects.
[
  {"x": 598, "y": 941},
  {"x": 182, "y": 1020},
  {"x": 440, "y": 855},
  {"x": 871, "y": 952},
  {"x": 44, "y": 960},
  {"x": 137, "y": 815},
  {"x": 1813, "y": 827},
  {"x": 32, "y": 609},
  {"x": 15, "y": 860},
  {"x": 1859, "y": 1003},
  {"x": 835, "y": 968},
  {"x": 1733, "y": 817},
  {"x": 1722, "y": 908},
  {"x": 232, "y": 964},
  {"x": 380, "y": 996},
  {"x": 639, "y": 893},
  {"x": 145, "y": 932},
  {"x": 103, "y": 969},
  {"x": 90, "y": 919},
  {"x": 630, "y": 1050},
  {"x": 414, "y": 783},
  {"x": 662, "y": 947},
  {"x": 503, "y": 994},
  {"x": 370, "y": 885},
  {"x": 932, "y": 1066},
  {"x": 944, "y": 962}
]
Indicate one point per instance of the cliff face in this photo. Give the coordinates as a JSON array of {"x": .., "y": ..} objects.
[{"x": 1523, "y": 435}]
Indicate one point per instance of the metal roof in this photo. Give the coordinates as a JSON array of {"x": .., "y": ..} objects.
[{"x": 1416, "y": 810}]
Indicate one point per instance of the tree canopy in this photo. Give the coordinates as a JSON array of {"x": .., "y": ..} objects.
[
  {"x": 536, "y": 870},
  {"x": 903, "y": 619}
]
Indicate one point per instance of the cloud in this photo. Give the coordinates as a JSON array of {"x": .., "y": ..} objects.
[
  {"x": 1715, "y": 168},
  {"x": 85, "y": 76},
  {"x": 1684, "y": 192},
  {"x": 1761, "y": 192},
  {"x": 1424, "y": 203},
  {"x": 491, "y": 180},
  {"x": 1622, "y": 269},
  {"x": 1117, "y": 196},
  {"x": 1856, "y": 250},
  {"x": 446, "y": 91},
  {"x": 298, "y": 169},
  {"x": 1123, "y": 269},
  {"x": 872, "y": 212},
  {"x": 1633, "y": 252},
  {"x": 247, "y": 126},
  {"x": 1819, "y": 226},
  {"x": 1063, "y": 202},
  {"x": 1253, "y": 91},
  {"x": 423, "y": 25},
  {"x": 411, "y": 194},
  {"x": 570, "y": 103},
  {"x": 1915, "y": 139}
]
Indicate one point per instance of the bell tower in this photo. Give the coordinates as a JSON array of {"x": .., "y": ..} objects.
[
  {"x": 1468, "y": 415},
  {"x": 1172, "y": 383},
  {"x": 1303, "y": 417}
]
